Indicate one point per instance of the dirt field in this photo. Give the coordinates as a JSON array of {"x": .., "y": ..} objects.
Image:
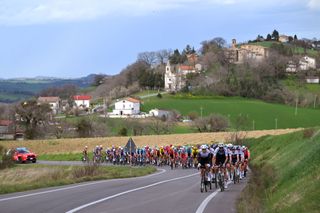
[{"x": 76, "y": 145}]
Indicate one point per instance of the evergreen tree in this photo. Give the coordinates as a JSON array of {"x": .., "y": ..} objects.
[{"x": 275, "y": 35}]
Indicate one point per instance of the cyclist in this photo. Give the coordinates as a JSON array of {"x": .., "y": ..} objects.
[
  {"x": 246, "y": 153},
  {"x": 234, "y": 160},
  {"x": 220, "y": 158},
  {"x": 85, "y": 153},
  {"x": 204, "y": 159},
  {"x": 241, "y": 160}
]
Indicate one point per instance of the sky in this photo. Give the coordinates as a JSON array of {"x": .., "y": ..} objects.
[{"x": 75, "y": 38}]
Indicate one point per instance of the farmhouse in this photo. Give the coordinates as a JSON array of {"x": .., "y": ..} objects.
[
  {"x": 82, "y": 101},
  {"x": 305, "y": 63},
  {"x": 283, "y": 38},
  {"x": 54, "y": 103},
  {"x": 175, "y": 75},
  {"x": 159, "y": 113},
  {"x": 7, "y": 129},
  {"x": 244, "y": 52},
  {"x": 128, "y": 106}
]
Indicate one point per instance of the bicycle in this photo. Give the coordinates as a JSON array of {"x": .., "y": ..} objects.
[
  {"x": 204, "y": 180},
  {"x": 236, "y": 174},
  {"x": 220, "y": 175}
]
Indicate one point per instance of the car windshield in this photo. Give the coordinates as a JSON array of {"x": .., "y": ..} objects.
[{"x": 22, "y": 150}]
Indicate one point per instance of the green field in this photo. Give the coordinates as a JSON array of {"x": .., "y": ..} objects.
[
  {"x": 294, "y": 85},
  {"x": 286, "y": 174},
  {"x": 261, "y": 115},
  {"x": 296, "y": 50}
]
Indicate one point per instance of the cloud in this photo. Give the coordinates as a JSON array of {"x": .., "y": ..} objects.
[
  {"x": 28, "y": 12},
  {"x": 314, "y": 4}
]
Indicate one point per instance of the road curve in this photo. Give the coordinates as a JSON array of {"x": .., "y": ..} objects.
[{"x": 165, "y": 191}]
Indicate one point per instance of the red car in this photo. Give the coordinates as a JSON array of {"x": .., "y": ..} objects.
[{"x": 22, "y": 155}]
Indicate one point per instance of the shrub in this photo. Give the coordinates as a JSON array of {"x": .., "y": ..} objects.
[
  {"x": 84, "y": 128},
  {"x": 308, "y": 133},
  {"x": 5, "y": 160},
  {"x": 123, "y": 131},
  {"x": 159, "y": 95}
]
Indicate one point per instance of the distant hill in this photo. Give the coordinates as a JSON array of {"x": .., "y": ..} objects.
[{"x": 16, "y": 89}]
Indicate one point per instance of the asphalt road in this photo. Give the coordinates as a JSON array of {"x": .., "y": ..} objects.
[{"x": 165, "y": 191}]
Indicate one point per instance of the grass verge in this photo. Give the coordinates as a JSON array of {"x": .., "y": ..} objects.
[
  {"x": 28, "y": 177},
  {"x": 286, "y": 174}
]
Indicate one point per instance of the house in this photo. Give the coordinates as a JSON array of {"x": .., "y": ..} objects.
[
  {"x": 284, "y": 38},
  {"x": 244, "y": 52},
  {"x": 7, "y": 130},
  {"x": 82, "y": 101},
  {"x": 175, "y": 75},
  {"x": 159, "y": 113},
  {"x": 128, "y": 106},
  {"x": 312, "y": 80},
  {"x": 305, "y": 63},
  {"x": 54, "y": 103}
]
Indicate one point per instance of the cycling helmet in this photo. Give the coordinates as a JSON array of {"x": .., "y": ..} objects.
[
  {"x": 220, "y": 145},
  {"x": 233, "y": 148},
  {"x": 204, "y": 146},
  {"x": 86, "y": 147},
  {"x": 244, "y": 147},
  {"x": 237, "y": 147}
]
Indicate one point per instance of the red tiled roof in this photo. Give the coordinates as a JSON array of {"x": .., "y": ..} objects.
[
  {"x": 82, "y": 97},
  {"x": 5, "y": 122},
  {"x": 133, "y": 100},
  {"x": 48, "y": 99}
]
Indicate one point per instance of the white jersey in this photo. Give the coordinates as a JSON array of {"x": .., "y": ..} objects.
[{"x": 204, "y": 154}]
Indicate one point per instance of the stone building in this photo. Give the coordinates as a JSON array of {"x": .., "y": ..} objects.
[{"x": 240, "y": 53}]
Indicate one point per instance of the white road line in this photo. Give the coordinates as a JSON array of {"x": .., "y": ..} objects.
[
  {"x": 77, "y": 186},
  {"x": 204, "y": 203},
  {"x": 126, "y": 192}
]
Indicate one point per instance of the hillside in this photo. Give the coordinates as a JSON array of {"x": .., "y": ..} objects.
[
  {"x": 13, "y": 90},
  {"x": 263, "y": 114},
  {"x": 286, "y": 174},
  {"x": 295, "y": 49}
]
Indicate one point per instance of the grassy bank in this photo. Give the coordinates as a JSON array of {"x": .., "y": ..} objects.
[
  {"x": 286, "y": 174},
  {"x": 27, "y": 177}
]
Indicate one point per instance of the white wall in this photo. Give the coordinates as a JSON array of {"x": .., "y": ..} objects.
[
  {"x": 85, "y": 103},
  {"x": 125, "y": 107}
]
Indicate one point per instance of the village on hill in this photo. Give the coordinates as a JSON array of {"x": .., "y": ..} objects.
[{"x": 214, "y": 69}]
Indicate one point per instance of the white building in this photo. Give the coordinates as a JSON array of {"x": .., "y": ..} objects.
[
  {"x": 159, "y": 113},
  {"x": 175, "y": 75},
  {"x": 283, "y": 38},
  {"x": 128, "y": 106},
  {"x": 54, "y": 103},
  {"x": 312, "y": 80},
  {"x": 307, "y": 63},
  {"x": 82, "y": 101}
]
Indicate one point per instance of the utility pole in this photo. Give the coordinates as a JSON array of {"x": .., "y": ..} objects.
[
  {"x": 253, "y": 125},
  {"x": 276, "y": 121},
  {"x": 296, "y": 110}
]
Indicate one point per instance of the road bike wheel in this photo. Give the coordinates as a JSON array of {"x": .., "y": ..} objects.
[
  {"x": 215, "y": 180},
  {"x": 234, "y": 176}
]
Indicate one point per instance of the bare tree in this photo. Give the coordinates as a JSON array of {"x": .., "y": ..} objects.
[
  {"x": 33, "y": 115},
  {"x": 163, "y": 56},
  {"x": 148, "y": 57}
]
